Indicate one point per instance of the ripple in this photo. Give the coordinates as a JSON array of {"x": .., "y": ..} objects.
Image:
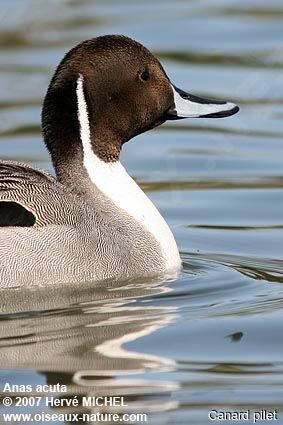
[{"x": 251, "y": 59}]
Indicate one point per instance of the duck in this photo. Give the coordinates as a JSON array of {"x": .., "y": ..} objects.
[{"x": 92, "y": 221}]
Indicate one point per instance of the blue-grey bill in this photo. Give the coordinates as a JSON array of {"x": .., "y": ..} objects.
[{"x": 189, "y": 106}]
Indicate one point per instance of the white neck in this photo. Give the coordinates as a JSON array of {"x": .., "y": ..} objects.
[{"x": 113, "y": 181}]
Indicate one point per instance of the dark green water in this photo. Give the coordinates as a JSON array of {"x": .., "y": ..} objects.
[{"x": 212, "y": 339}]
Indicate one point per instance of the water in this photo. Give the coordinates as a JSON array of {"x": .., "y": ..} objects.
[{"x": 212, "y": 339}]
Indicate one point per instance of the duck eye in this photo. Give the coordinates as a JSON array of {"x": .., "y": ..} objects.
[{"x": 144, "y": 76}]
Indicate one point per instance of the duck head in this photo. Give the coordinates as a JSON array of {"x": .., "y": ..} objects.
[{"x": 109, "y": 89}]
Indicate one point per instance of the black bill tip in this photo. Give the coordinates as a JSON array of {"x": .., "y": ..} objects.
[{"x": 222, "y": 114}]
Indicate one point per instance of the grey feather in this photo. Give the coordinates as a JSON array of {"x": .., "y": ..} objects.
[{"x": 71, "y": 241}]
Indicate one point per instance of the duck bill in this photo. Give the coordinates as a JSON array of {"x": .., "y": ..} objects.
[{"x": 189, "y": 106}]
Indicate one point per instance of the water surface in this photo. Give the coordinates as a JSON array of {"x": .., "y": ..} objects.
[{"x": 211, "y": 339}]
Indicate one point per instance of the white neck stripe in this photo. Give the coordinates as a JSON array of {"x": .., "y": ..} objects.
[
  {"x": 83, "y": 116},
  {"x": 113, "y": 180}
]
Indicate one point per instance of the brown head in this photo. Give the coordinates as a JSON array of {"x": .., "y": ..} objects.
[{"x": 126, "y": 92}]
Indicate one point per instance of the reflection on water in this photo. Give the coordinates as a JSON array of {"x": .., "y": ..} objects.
[
  {"x": 212, "y": 338},
  {"x": 101, "y": 318},
  {"x": 79, "y": 339}
]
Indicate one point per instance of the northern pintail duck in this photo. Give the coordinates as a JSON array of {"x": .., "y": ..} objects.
[{"x": 93, "y": 221}]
